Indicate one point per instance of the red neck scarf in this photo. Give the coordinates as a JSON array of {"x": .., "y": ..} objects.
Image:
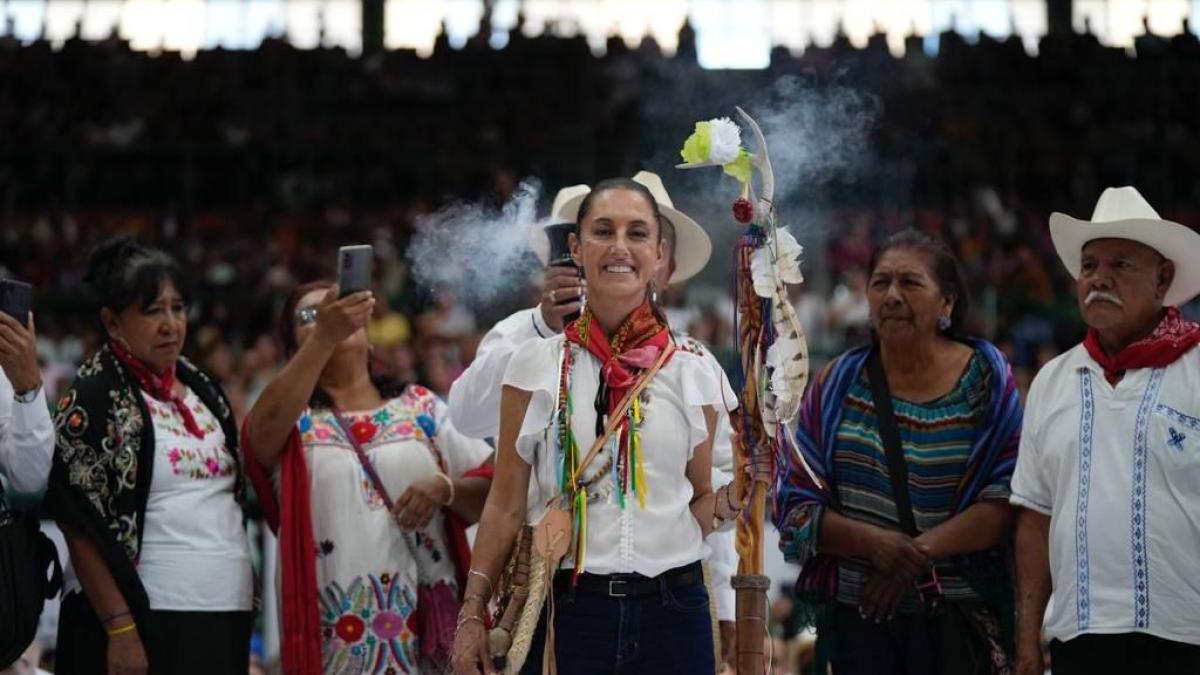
[
  {"x": 1173, "y": 336},
  {"x": 161, "y": 387},
  {"x": 634, "y": 346}
]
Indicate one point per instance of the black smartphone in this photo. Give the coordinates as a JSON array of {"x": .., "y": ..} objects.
[
  {"x": 354, "y": 268},
  {"x": 15, "y": 299}
]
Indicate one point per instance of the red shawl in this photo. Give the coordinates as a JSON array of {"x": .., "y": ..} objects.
[
  {"x": 291, "y": 519},
  {"x": 1173, "y": 336}
]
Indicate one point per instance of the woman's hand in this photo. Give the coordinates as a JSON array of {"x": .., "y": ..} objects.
[
  {"x": 18, "y": 353},
  {"x": 471, "y": 655},
  {"x": 126, "y": 655},
  {"x": 898, "y": 555},
  {"x": 563, "y": 290},
  {"x": 416, "y": 507},
  {"x": 339, "y": 319},
  {"x": 881, "y": 597}
]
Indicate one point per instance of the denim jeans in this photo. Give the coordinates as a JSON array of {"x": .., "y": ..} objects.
[{"x": 655, "y": 634}]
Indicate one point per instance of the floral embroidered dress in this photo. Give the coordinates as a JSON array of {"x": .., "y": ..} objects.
[{"x": 368, "y": 569}]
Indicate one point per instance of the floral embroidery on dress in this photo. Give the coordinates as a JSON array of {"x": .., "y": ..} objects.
[
  {"x": 195, "y": 463},
  {"x": 370, "y": 627},
  {"x": 405, "y": 417},
  {"x": 199, "y": 465},
  {"x": 169, "y": 418},
  {"x": 410, "y": 416}
]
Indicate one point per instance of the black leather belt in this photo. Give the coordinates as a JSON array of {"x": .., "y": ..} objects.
[{"x": 630, "y": 585}]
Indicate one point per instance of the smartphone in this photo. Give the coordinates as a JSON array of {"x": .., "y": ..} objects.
[
  {"x": 354, "y": 268},
  {"x": 15, "y": 298}
]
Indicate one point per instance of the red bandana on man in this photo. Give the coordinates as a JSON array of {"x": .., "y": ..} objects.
[{"x": 1170, "y": 340}]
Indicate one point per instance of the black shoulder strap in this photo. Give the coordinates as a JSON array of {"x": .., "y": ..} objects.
[{"x": 889, "y": 433}]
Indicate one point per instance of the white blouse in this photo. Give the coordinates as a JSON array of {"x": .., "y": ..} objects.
[
  {"x": 194, "y": 555},
  {"x": 664, "y": 534}
]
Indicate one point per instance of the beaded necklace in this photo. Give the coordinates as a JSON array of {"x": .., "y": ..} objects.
[{"x": 624, "y": 446}]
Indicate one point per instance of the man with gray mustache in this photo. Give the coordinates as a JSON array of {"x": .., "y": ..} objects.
[{"x": 1108, "y": 475}]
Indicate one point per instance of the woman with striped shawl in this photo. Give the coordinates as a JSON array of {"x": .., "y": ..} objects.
[{"x": 892, "y": 594}]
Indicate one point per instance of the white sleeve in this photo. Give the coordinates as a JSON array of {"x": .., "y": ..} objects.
[
  {"x": 722, "y": 563},
  {"x": 460, "y": 452},
  {"x": 26, "y": 440},
  {"x": 722, "y": 451},
  {"x": 475, "y": 396},
  {"x": 534, "y": 368},
  {"x": 701, "y": 386},
  {"x": 1031, "y": 487}
]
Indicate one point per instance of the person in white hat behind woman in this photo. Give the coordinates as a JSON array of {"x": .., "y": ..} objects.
[
  {"x": 1108, "y": 474},
  {"x": 475, "y": 396}
]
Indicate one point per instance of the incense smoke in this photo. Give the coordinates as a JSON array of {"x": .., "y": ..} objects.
[
  {"x": 477, "y": 253},
  {"x": 815, "y": 134}
]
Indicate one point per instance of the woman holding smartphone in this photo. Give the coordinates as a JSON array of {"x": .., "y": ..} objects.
[{"x": 370, "y": 475}]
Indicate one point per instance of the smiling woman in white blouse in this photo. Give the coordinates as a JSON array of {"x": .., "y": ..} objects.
[{"x": 630, "y": 580}]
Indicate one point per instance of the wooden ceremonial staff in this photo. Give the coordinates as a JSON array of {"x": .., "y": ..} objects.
[
  {"x": 765, "y": 320},
  {"x": 753, "y": 450}
]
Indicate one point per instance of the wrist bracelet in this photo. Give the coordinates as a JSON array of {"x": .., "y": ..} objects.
[
  {"x": 123, "y": 629},
  {"x": 115, "y": 615},
  {"x": 462, "y": 621},
  {"x": 476, "y": 573},
  {"x": 449, "y": 484}
]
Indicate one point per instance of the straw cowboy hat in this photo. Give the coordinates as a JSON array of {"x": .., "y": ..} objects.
[
  {"x": 692, "y": 245},
  {"x": 1122, "y": 213}
]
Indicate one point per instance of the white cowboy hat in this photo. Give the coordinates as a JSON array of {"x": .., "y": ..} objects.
[
  {"x": 692, "y": 245},
  {"x": 1122, "y": 213}
]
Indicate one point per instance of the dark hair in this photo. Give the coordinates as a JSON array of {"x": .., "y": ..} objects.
[
  {"x": 621, "y": 184},
  {"x": 943, "y": 266},
  {"x": 121, "y": 273},
  {"x": 386, "y": 382}
]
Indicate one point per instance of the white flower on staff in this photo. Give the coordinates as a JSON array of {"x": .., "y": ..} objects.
[{"x": 725, "y": 142}]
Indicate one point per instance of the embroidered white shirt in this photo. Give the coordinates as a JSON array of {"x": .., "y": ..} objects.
[
  {"x": 648, "y": 541},
  {"x": 1117, "y": 469},
  {"x": 194, "y": 555}
]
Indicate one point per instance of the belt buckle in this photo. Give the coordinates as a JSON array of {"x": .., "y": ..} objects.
[
  {"x": 934, "y": 583},
  {"x": 613, "y": 593}
]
